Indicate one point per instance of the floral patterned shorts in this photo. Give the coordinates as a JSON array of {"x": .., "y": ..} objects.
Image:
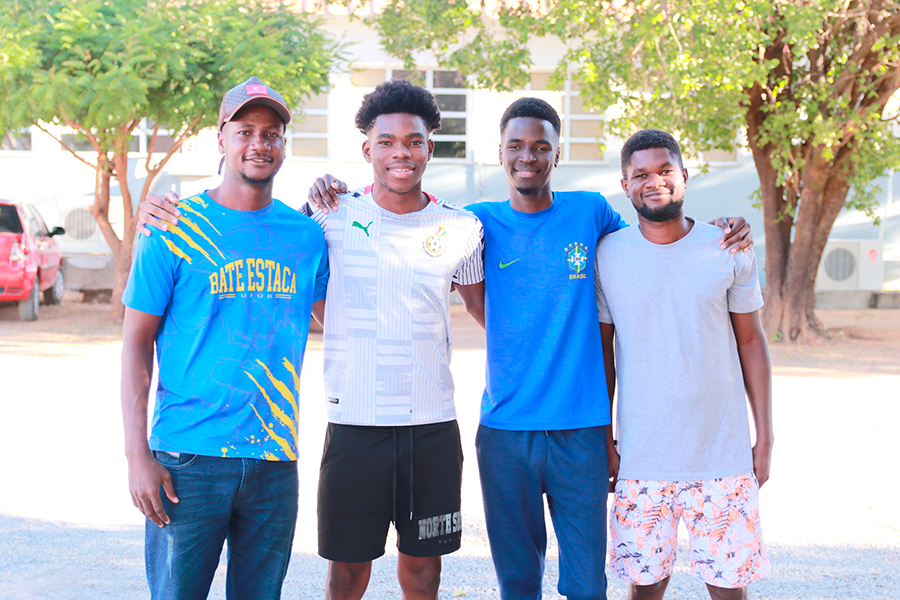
[{"x": 722, "y": 520}]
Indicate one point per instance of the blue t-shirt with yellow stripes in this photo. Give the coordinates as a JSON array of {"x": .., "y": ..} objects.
[{"x": 234, "y": 290}]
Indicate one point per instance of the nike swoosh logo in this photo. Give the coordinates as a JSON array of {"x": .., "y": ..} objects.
[{"x": 504, "y": 265}]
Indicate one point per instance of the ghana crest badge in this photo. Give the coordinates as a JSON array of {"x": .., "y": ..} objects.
[
  {"x": 576, "y": 259},
  {"x": 434, "y": 243}
]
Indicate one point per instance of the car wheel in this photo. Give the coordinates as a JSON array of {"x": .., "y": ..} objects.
[
  {"x": 54, "y": 294},
  {"x": 29, "y": 307}
]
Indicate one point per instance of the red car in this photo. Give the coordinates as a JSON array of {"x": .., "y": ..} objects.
[{"x": 29, "y": 259}]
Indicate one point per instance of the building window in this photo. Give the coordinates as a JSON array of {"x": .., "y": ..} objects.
[
  {"x": 309, "y": 132},
  {"x": 451, "y": 141},
  {"x": 138, "y": 144},
  {"x": 19, "y": 141},
  {"x": 720, "y": 156},
  {"x": 164, "y": 139},
  {"x": 367, "y": 78},
  {"x": 582, "y": 129},
  {"x": 76, "y": 142}
]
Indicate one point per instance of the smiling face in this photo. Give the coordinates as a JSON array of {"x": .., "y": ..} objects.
[
  {"x": 529, "y": 149},
  {"x": 398, "y": 148},
  {"x": 655, "y": 184},
  {"x": 253, "y": 145}
]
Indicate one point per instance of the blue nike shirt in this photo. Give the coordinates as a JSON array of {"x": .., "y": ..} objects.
[{"x": 544, "y": 356}]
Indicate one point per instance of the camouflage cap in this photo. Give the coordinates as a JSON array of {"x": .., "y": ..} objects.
[{"x": 252, "y": 91}]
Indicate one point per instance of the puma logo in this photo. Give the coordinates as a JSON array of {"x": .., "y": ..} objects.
[{"x": 366, "y": 228}]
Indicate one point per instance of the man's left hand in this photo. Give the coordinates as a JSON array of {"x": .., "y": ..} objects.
[
  {"x": 737, "y": 233},
  {"x": 762, "y": 461}
]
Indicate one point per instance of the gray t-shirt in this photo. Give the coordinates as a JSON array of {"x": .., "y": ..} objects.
[{"x": 682, "y": 412}]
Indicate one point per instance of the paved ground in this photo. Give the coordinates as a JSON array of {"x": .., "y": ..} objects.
[{"x": 831, "y": 513}]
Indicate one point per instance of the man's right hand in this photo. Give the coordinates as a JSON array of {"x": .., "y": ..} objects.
[
  {"x": 612, "y": 456},
  {"x": 158, "y": 212},
  {"x": 325, "y": 191},
  {"x": 145, "y": 476}
]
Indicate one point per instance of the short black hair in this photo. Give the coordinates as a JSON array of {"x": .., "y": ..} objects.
[
  {"x": 531, "y": 107},
  {"x": 647, "y": 139},
  {"x": 398, "y": 96}
]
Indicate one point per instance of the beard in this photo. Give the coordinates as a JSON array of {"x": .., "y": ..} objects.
[
  {"x": 528, "y": 191},
  {"x": 257, "y": 182},
  {"x": 660, "y": 214}
]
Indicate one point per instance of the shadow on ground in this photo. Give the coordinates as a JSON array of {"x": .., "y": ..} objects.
[{"x": 56, "y": 561}]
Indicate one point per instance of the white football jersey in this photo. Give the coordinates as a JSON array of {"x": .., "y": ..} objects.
[{"x": 387, "y": 318}]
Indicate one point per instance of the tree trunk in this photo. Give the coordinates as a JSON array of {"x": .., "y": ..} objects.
[
  {"x": 777, "y": 202},
  {"x": 791, "y": 265},
  {"x": 121, "y": 269},
  {"x": 122, "y": 257},
  {"x": 777, "y": 217},
  {"x": 824, "y": 192},
  {"x": 833, "y": 197},
  {"x": 100, "y": 210}
]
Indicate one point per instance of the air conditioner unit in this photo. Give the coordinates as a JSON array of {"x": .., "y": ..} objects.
[
  {"x": 851, "y": 265},
  {"x": 87, "y": 260}
]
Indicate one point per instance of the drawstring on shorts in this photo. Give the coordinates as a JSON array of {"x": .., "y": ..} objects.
[{"x": 411, "y": 476}]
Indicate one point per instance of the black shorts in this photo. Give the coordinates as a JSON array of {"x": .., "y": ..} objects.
[{"x": 372, "y": 476}]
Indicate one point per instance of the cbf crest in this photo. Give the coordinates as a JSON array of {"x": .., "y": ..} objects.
[
  {"x": 435, "y": 244},
  {"x": 576, "y": 258}
]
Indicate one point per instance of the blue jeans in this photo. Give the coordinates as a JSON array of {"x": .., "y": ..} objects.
[
  {"x": 570, "y": 467},
  {"x": 251, "y": 503}
]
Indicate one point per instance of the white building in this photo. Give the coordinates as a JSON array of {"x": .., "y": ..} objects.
[{"x": 465, "y": 168}]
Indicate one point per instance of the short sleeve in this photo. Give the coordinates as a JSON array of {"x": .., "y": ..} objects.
[
  {"x": 471, "y": 270},
  {"x": 608, "y": 220},
  {"x": 744, "y": 295},
  {"x": 317, "y": 215},
  {"x": 602, "y": 306},
  {"x": 322, "y": 274},
  {"x": 152, "y": 276}
]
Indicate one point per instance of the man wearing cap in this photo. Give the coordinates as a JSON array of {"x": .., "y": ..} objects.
[
  {"x": 392, "y": 450},
  {"x": 224, "y": 298}
]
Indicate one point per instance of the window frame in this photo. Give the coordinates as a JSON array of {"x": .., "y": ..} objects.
[
  {"x": 465, "y": 91},
  {"x": 291, "y": 135},
  {"x": 568, "y": 139},
  {"x": 29, "y": 131}
]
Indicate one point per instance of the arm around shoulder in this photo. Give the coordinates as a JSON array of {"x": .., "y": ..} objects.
[{"x": 158, "y": 212}]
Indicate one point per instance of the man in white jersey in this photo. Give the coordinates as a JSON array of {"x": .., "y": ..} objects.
[
  {"x": 392, "y": 449},
  {"x": 689, "y": 353}
]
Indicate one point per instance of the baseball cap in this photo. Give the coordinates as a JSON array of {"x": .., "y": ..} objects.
[{"x": 252, "y": 91}]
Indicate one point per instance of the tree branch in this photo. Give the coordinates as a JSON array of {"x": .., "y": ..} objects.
[
  {"x": 65, "y": 146},
  {"x": 184, "y": 136},
  {"x": 91, "y": 138},
  {"x": 151, "y": 146}
]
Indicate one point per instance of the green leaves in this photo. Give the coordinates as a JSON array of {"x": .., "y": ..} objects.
[
  {"x": 101, "y": 65},
  {"x": 820, "y": 68}
]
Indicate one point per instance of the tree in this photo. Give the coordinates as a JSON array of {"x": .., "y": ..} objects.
[
  {"x": 101, "y": 67},
  {"x": 809, "y": 82}
]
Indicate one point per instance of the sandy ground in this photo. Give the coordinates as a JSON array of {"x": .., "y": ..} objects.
[
  {"x": 831, "y": 512},
  {"x": 863, "y": 342}
]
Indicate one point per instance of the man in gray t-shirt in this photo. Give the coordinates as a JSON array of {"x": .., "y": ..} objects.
[{"x": 689, "y": 351}]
